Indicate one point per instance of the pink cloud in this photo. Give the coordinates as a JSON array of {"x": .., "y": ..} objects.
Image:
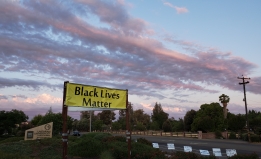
[{"x": 180, "y": 10}]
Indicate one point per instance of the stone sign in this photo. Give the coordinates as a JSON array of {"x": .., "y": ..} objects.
[{"x": 39, "y": 132}]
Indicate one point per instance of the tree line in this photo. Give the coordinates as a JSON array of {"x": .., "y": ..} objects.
[{"x": 209, "y": 118}]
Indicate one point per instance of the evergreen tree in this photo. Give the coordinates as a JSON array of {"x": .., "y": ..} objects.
[{"x": 158, "y": 115}]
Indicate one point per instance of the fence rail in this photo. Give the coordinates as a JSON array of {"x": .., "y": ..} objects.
[{"x": 160, "y": 133}]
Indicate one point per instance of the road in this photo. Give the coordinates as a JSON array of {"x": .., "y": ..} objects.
[{"x": 240, "y": 146}]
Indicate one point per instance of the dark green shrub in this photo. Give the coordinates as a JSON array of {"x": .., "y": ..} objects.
[
  {"x": 144, "y": 141},
  {"x": 254, "y": 138},
  {"x": 218, "y": 135},
  {"x": 245, "y": 136},
  {"x": 88, "y": 147},
  {"x": 90, "y": 134},
  {"x": 101, "y": 136},
  {"x": 183, "y": 155},
  {"x": 106, "y": 155},
  {"x": 141, "y": 151},
  {"x": 251, "y": 156},
  {"x": 12, "y": 156},
  {"x": 118, "y": 149},
  {"x": 232, "y": 135},
  {"x": 114, "y": 138},
  {"x": 12, "y": 139}
]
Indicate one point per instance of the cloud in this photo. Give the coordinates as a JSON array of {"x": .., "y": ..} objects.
[
  {"x": 180, "y": 10},
  {"x": 56, "y": 41}
]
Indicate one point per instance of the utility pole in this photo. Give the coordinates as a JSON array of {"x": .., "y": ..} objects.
[{"x": 244, "y": 83}]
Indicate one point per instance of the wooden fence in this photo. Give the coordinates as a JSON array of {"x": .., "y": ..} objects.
[{"x": 160, "y": 133}]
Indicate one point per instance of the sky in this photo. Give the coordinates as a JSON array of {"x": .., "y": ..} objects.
[{"x": 181, "y": 54}]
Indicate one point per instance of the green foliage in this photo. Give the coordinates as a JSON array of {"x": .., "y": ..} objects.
[
  {"x": 5, "y": 155},
  {"x": 209, "y": 118},
  {"x": 101, "y": 136},
  {"x": 118, "y": 149},
  {"x": 183, "y": 155},
  {"x": 167, "y": 126},
  {"x": 250, "y": 156},
  {"x": 158, "y": 115},
  {"x": 57, "y": 121},
  {"x": 154, "y": 126},
  {"x": 140, "y": 119},
  {"x": 114, "y": 138},
  {"x": 97, "y": 125},
  {"x": 140, "y": 126},
  {"x": 116, "y": 126},
  {"x": 144, "y": 141},
  {"x": 12, "y": 139},
  {"x": 87, "y": 147},
  {"x": 236, "y": 122},
  {"x": 106, "y": 155},
  {"x": 255, "y": 138},
  {"x": 177, "y": 125},
  {"x": 9, "y": 119},
  {"x": 224, "y": 98},
  {"x": 107, "y": 116},
  {"x": 232, "y": 135},
  {"x": 141, "y": 151},
  {"x": 88, "y": 136},
  {"x": 254, "y": 118},
  {"x": 188, "y": 119},
  {"x": 245, "y": 136},
  {"x": 36, "y": 119}
]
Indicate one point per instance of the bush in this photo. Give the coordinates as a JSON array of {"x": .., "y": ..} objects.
[
  {"x": 251, "y": 156},
  {"x": 101, "y": 136},
  {"x": 114, "y": 138},
  {"x": 141, "y": 151},
  {"x": 87, "y": 147},
  {"x": 106, "y": 155},
  {"x": 144, "y": 141},
  {"x": 12, "y": 156},
  {"x": 12, "y": 139},
  {"x": 218, "y": 135},
  {"x": 232, "y": 135},
  {"x": 245, "y": 136},
  {"x": 118, "y": 149},
  {"x": 254, "y": 138},
  {"x": 182, "y": 155}
]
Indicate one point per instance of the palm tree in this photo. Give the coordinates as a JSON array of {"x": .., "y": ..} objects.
[{"x": 224, "y": 99}]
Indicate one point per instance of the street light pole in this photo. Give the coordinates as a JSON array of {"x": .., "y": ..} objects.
[{"x": 244, "y": 83}]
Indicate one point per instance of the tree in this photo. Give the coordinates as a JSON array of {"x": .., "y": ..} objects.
[
  {"x": 254, "y": 118},
  {"x": 188, "y": 119},
  {"x": 116, "y": 126},
  {"x": 167, "y": 126},
  {"x": 224, "y": 99},
  {"x": 97, "y": 125},
  {"x": 107, "y": 116},
  {"x": 11, "y": 119},
  {"x": 122, "y": 116},
  {"x": 141, "y": 118},
  {"x": 209, "y": 118},
  {"x": 57, "y": 120},
  {"x": 236, "y": 122},
  {"x": 86, "y": 114},
  {"x": 177, "y": 125},
  {"x": 36, "y": 119},
  {"x": 158, "y": 115}
]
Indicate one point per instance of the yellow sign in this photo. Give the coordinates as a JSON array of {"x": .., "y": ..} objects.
[
  {"x": 78, "y": 95},
  {"x": 39, "y": 132}
]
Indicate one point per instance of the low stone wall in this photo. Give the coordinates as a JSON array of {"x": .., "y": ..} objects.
[{"x": 211, "y": 135}]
